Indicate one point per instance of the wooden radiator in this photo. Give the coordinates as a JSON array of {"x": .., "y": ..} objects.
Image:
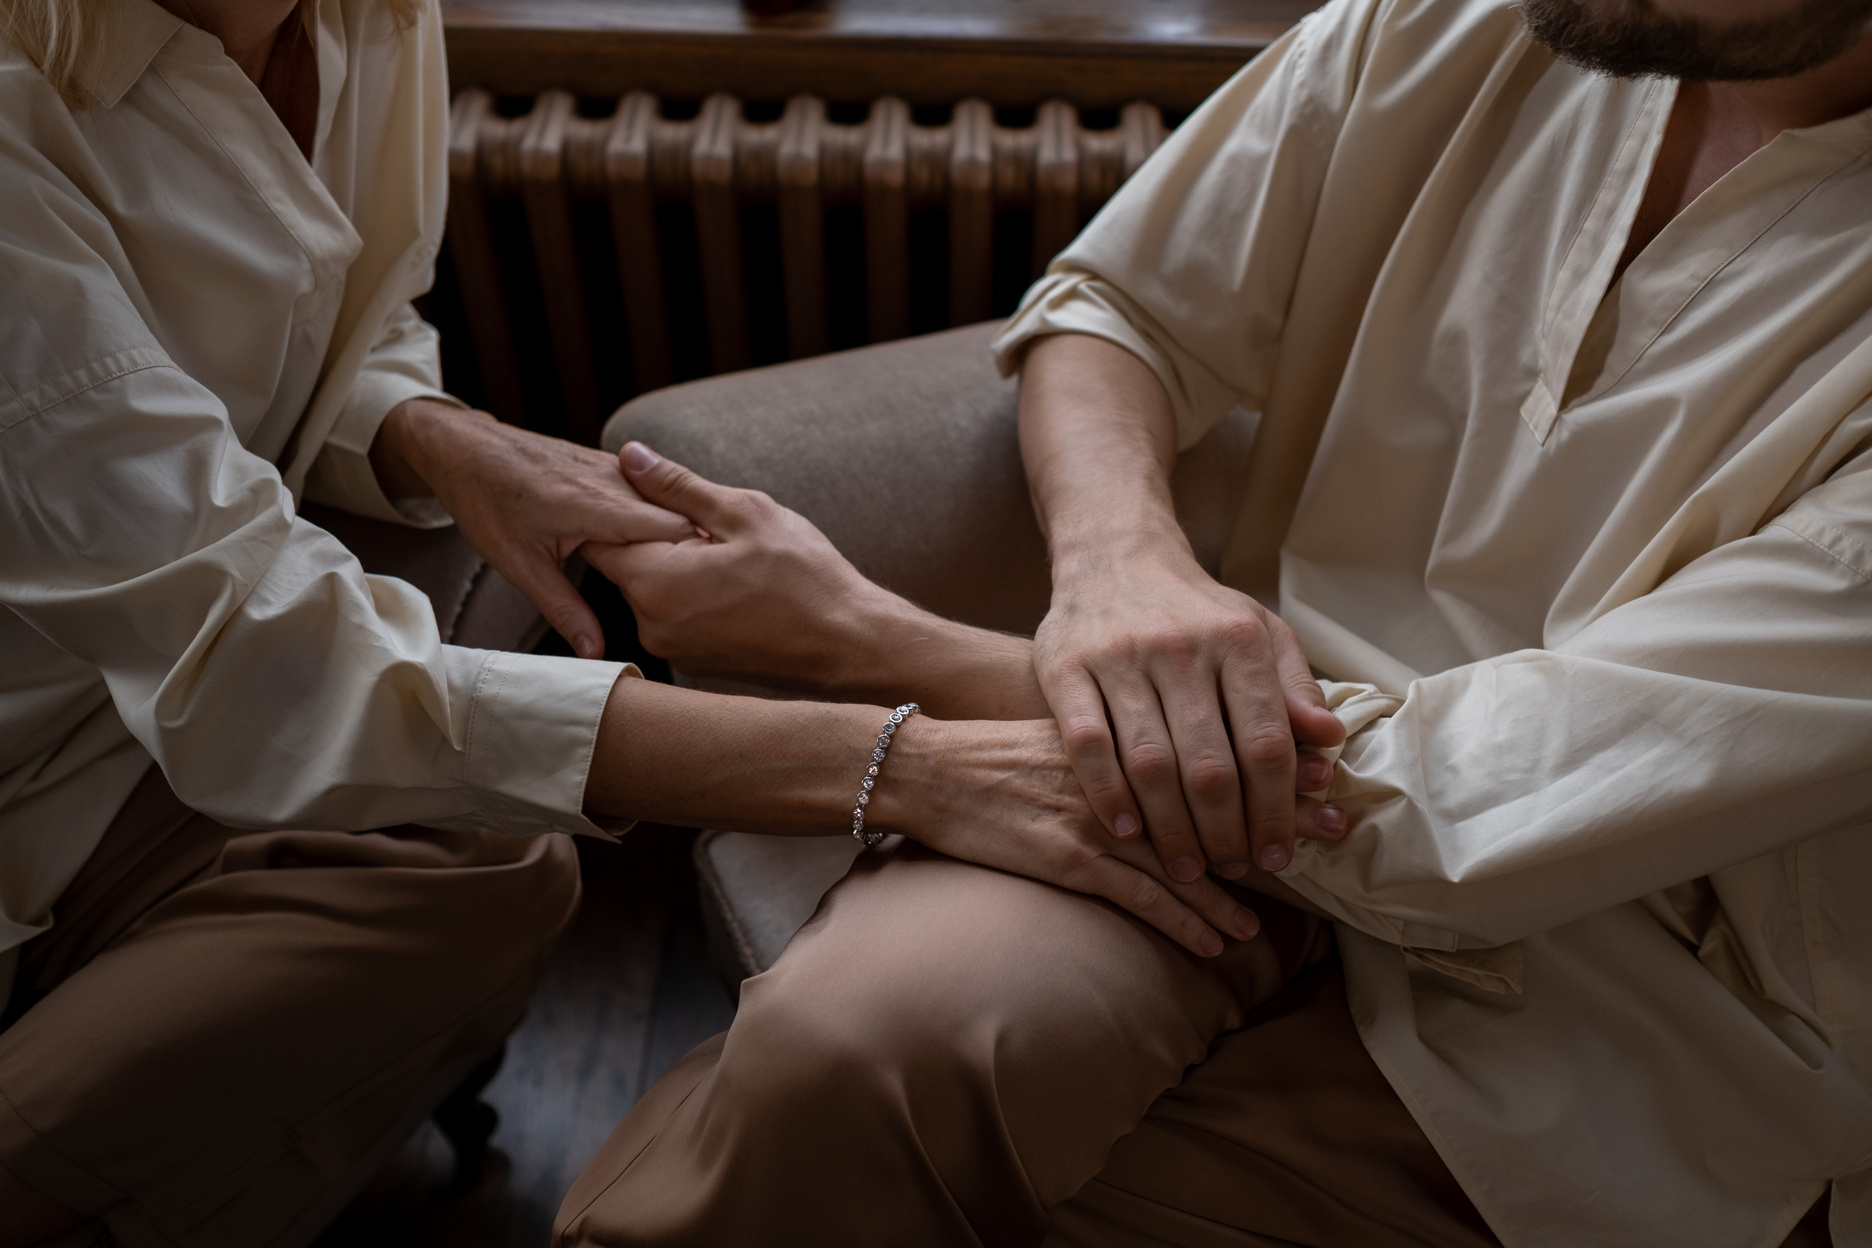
[{"x": 635, "y": 212}]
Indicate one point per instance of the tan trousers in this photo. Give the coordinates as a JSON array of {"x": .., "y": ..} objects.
[
  {"x": 225, "y": 1030},
  {"x": 947, "y": 1055}
]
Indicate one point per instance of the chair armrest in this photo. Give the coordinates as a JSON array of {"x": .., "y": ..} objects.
[{"x": 907, "y": 456}]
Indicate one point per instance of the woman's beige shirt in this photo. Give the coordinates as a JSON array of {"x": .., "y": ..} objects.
[
  {"x": 197, "y": 326},
  {"x": 1595, "y": 559}
]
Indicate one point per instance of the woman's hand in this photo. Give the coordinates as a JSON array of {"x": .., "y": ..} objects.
[
  {"x": 526, "y": 502},
  {"x": 1005, "y": 796},
  {"x": 996, "y": 792},
  {"x": 760, "y": 595}
]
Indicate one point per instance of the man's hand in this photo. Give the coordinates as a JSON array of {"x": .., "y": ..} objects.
[
  {"x": 757, "y": 594},
  {"x": 1180, "y": 700},
  {"x": 525, "y": 501}
]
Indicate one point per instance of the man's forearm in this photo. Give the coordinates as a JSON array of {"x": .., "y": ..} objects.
[
  {"x": 1098, "y": 438},
  {"x": 1179, "y": 699},
  {"x": 955, "y": 671}
]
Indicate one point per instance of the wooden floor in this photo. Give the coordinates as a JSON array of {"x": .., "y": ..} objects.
[{"x": 629, "y": 992}]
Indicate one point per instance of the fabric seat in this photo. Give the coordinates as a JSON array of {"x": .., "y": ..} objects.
[{"x": 907, "y": 456}]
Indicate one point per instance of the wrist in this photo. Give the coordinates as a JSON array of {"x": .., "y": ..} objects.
[
  {"x": 910, "y": 780},
  {"x": 955, "y": 671},
  {"x": 1094, "y": 551},
  {"x": 405, "y": 452},
  {"x": 853, "y": 638}
]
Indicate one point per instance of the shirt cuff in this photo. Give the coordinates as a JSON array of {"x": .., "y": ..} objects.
[
  {"x": 532, "y": 734},
  {"x": 1321, "y": 871},
  {"x": 342, "y": 475}
]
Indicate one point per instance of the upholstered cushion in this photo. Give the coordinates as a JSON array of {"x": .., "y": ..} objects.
[
  {"x": 759, "y": 890},
  {"x": 907, "y": 456}
]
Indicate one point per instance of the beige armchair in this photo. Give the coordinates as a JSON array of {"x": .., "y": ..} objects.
[{"x": 906, "y": 456}]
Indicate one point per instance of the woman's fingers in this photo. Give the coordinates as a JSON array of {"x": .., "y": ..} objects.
[
  {"x": 1133, "y": 890},
  {"x": 541, "y": 579},
  {"x": 1211, "y": 902},
  {"x": 1320, "y": 821},
  {"x": 618, "y": 520}
]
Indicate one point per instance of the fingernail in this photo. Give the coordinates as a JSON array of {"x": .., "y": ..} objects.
[
  {"x": 1332, "y": 819},
  {"x": 1125, "y": 824},
  {"x": 584, "y": 645},
  {"x": 1315, "y": 773},
  {"x": 1232, "y": 870},
  {"x": 1184, "y": 870},
  {"x": 640, "y": 458},
  {"x": 1274, "y": 857},
  {"x": 1210, "y": 944},
  {"x": 1248, "y": 926}
]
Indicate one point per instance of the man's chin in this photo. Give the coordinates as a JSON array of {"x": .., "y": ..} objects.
[{"x": 1633, "y": 39}]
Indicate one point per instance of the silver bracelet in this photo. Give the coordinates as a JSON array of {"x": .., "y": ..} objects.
[{"x": 897, "y": 717}]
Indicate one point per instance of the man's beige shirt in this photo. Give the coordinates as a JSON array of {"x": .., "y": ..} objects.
[
  {"x": 198, "y": 326},
  {"x": 1594, "y": 558}
]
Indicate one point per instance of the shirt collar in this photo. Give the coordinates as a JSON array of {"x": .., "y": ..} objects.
[{"x": 131, "y": 33}]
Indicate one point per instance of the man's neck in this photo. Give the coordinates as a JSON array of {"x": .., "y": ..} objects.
[
  {"x": 1715, "y": 126},
  {"x": 1839, "y": 88}
]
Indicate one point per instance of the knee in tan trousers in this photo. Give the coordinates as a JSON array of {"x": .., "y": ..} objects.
[
  {"x": 220, "y": 1064},
  {"x": 942, "y": 1055}
]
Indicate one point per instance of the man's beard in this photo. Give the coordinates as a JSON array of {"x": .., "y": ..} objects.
[{"x": 1634, "y": 40}]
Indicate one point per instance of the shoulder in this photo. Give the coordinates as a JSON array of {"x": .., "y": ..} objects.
[
  {"x": 1391, "y": 60},
  {"x": 1406, "y": 46},
  {"x": 65, "y": 315}
]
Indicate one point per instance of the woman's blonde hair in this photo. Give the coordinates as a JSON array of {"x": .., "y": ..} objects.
[{"x": 57, "y": 35}]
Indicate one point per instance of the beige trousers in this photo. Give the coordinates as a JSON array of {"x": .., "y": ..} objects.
[
  {"x": 223, "y": 1030},
  {"x": 948, "y": 1055}
]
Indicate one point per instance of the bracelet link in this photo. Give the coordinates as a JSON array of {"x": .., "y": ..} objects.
[{"x": 870, "y": 839}]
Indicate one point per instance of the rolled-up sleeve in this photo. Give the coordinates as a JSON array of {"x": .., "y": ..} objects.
[
  {"x": 1191, "y": 266},
  {"x": 274, "y": 682},
  {"x": 1722, "y": 716}
]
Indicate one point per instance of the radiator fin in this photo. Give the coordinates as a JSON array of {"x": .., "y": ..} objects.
[{"x": 971, "y": 168}]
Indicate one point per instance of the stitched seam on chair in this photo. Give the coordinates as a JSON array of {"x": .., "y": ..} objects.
[{"x": 461, "y": 607}]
